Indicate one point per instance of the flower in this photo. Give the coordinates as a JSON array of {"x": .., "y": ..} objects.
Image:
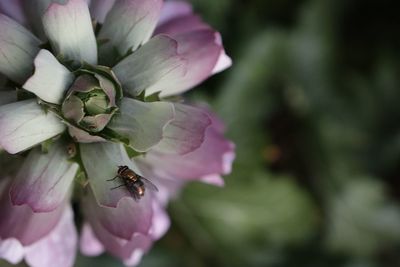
[{"x": 88, "y": 86}]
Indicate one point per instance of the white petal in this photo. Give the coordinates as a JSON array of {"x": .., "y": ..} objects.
[
  {"x": 100, "y": 8},
  {"x": 129, "y": 24},
  {"x": 11, "y": 250},
  {"x": 24, "y": 124},
  {"x": 18, "y": 47},
  {"x": 101, "y": 161},
  {"x": 69, "y": 29},
  {"x": 224, "y": 62},
  {"x": 51, "y": 79},
  {"x": 142, "y": 123},
  {"x": 154, "y": 66}
]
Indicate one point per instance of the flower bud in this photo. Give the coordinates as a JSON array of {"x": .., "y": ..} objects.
[{"x": 90, "y": 102}]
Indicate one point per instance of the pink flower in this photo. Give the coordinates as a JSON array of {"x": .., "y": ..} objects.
[{"x": 98, "y": 99}]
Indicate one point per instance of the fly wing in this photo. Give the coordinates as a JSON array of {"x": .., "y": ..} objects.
[{"x": 149, "y": 184}]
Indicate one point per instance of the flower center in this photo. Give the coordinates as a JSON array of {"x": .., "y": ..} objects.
[{"x": 90, "y": 102}]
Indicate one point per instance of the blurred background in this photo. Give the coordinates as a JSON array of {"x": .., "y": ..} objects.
[{"x": 313, "y": 105}]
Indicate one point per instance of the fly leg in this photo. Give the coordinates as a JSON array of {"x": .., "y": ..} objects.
[
  {"x": 112, "y": 179},
  {"x": 117, "y": 187}
]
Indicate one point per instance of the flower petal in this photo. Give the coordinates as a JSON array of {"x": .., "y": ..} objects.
[
  {"x": 182, "y": 24},
  {"x": 73, "y": 109},
  {"x": 83, "y": 136},
  {"x": 201, "y": 49},
  {"x": 96, "y": 123},
  {"x": 12, "y": 216},
  {"x": 8, "y": 96},
  {"x": 18, "y": 47},
  {"x": 101, "y": 161},
  {"x": 34, "y": 11},
  {"x": 121, "y": 248},
  {"x": 186, "y": 132},
  {"x": 24, "y": 124},
  {"x": 11, "y": 250},
  {"x": 50, "y": 80},
  {"x": 161, "y": 221},
  {"x": 129, "y": 24},
  {"x": 89, "y": 244},
  {"x": 44, "y": 180},
  {"x": 224, "y": 61},
  {"x": 14, "y": 10},
  {"x": 100, "y": 8},
  {"x": 154, "y": 66},
  {"x": 213, "y": 158},
  {"x": 128, "y": 218},
  {"x": 142, "y": 122},
  {"x": 173, "y": 9},
  {"x": 135, "y": 258},
  {"x": 58, "y": 247},
  {"x": 69, "y": 29},
  {"x": 167, "y": 188},
  {"x": 213, "y": 179}
]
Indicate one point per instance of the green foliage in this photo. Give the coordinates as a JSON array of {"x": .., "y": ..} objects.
[
  {"x": 270, "y": 210},
  {"x": 362, "y": 220}
]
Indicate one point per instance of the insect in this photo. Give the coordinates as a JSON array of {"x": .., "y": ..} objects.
[{"x": 133, "y": 182}]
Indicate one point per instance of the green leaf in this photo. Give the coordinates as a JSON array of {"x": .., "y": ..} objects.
[{"x": 362, "y": 221}]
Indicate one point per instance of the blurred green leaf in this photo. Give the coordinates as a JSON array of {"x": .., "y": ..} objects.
[
  {"x": 268, "y": 214},
  {"x": 362, "y": 220}
]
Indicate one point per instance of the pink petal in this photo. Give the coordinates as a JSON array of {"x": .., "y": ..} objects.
[
  {"x": 173, "y": 9},
  {"x": 186, "y": 23},
  {"x": 183, "y": 24},
  {"x": 213, "y": 179},
  {"x": 212, "y": 158},
  {"x": 201, "y": 50},
  {"x": 11, "y": 250},
  {"x": 168, "y": 187},
  {"x": 12, "y": 216},
  {"x": 128, "y": 218},
  {"x": 121, "y": 248},
  {"x": 89, "y": 244},
  {"x": 186, "y": 132},
  {"x": 100, "y": 8},
  {"x": 13, "y": 9},
  {"x": 135, "y": 258},
  {"x": 160, "y": 223},
  {"x": 44, "y": 180},
  {"x": 224, "y": 61},
  {"x": 57, "y": 247}
]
